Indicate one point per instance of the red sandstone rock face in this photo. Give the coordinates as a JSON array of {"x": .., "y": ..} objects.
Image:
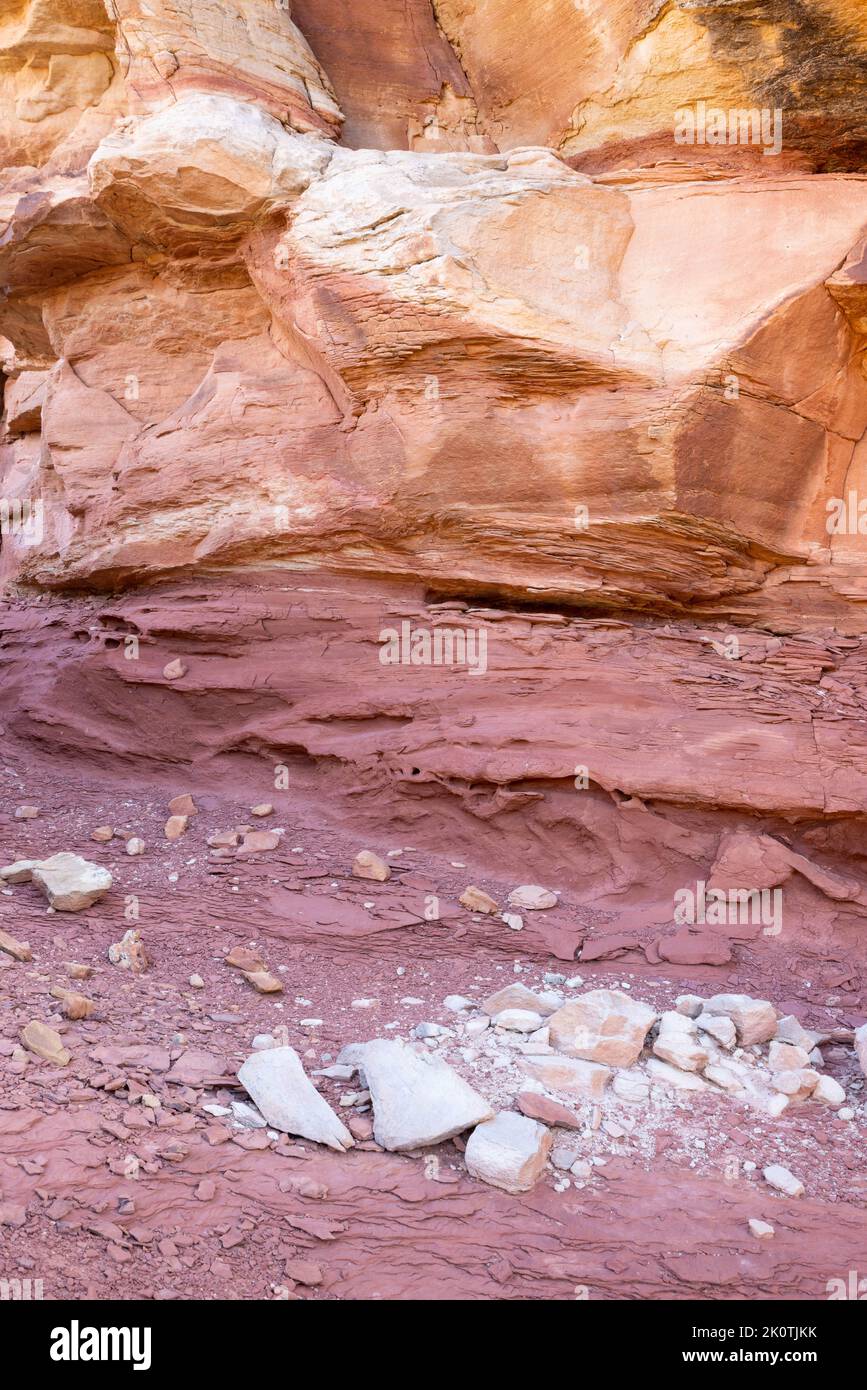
[
  {"x": 238, "y": 342},
  {"x": 328, "y": 331}
]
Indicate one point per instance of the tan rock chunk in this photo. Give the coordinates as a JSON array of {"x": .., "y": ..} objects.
[
  {"x": 547, "y": 1111},
  {"x": 129, "y": 952},
  {"x": 174, "y": 670},
  {"x": 27, "y": 813},
  {"x": 102, "y": 834},
  {"x": 264, "y": 808},
  {"x": 475, "y": 900},
  {"x": 531, "y": 898},
  {"x": 722, "y": 1075},
  {"x": 76, "y": 971},
  {"x": 568, "y": 1076},
  {"x": 719, "y": 1027},
  {"x": 245, "y": 959},
  {"x": 259, "y": 841},
  {"x": 175, "y": 827},
  {"x": 74, "y": 1005},
  {"x": 46, "y": 1043},
  {"x": 369, "y": 865},
  {"x": 224, "y": 839},
  {"x": 18, "y": 950},
  {"x": 795, "y": 1083},
  {"x": 23, "y": 400},
  {"x": 828, "y": 1092},
  {"x": 183, "y": 805},
  {"x": 516, "y": 996},
  {"x": 603, "y": 1025},
  {"x": 667, "y": 1075},
  {"x": 263, "y": 981},
  {"x": 786, "y": 1057},
  {"x": 518, "y": 1020},
  {"x": 70, "y": 883}
]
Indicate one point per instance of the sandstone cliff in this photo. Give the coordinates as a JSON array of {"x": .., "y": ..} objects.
[{"x": 314, "y": 324}]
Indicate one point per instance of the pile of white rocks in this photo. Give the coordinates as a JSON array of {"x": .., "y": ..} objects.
[{"x": 601, "y": 1042}]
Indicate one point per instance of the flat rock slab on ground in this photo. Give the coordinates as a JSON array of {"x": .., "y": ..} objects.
[
  {"x": 417, "y": 1100},
  {"x": 287, "y": 1098}
]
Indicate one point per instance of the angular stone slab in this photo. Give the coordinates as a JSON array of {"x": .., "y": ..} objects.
[
  {"x": 285, "y": 1095},
  {"x": 417, "y": 1100}
]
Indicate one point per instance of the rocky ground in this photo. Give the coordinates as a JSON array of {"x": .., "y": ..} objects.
[{"x": 140, "y": 1168}]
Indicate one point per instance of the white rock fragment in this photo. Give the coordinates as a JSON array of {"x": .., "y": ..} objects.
[
  {"x": 288, "y": 1100},
  {"x": 828, "y": 1092},
  {"x": 760, "y": 1229},
  {"x": 245, "y": 1116},
  {"x": 513, "y": 921},
  {"x": 474, "y": 1026},
  {"x": 602, "y": 1026},
  {"x": 633, "y": 1088},
  {"x": 518, "y": 1020},
  {"x": 719, "y": 1026},
  {"x": 19, "y": 872},
  {"x": 457, "y": 1003},
  {"x": 791, "y": 1031},
  {"x": 509, "y": 1151},
  {"x": 754, "y": 1019},
  {"x": 722, "y": 1076},
  {"x": 665, "y": 1075},
  {"x": 779, "y": 1177},
  {"x": 776, "y": 1105},
  {"x": 678, "y": 1042},
  {"x": 417, "y": 1100},
  {"x": 531, "y": 898}
]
